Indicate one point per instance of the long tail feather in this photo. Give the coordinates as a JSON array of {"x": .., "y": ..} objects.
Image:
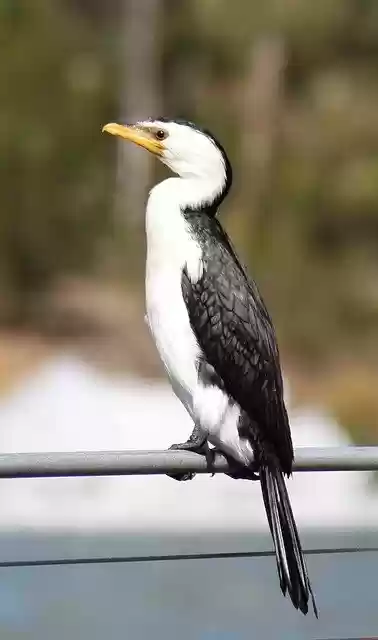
[{"x": 291, "y": 565}]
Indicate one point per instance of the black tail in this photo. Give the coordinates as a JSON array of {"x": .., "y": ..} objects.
[{"x": 291, "y": 565}]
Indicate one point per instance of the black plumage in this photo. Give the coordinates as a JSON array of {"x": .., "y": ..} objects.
[
  {"x": 237, "y": 338},
  {"x": 237, "y": 345},
  {"x": 236, "y": 333}
]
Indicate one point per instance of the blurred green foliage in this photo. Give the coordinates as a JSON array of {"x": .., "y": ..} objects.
[
  {"x": 55, "y": 174},
  {"x": 311, "y": 236}
]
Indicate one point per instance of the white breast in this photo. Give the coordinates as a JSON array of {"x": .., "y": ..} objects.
[{"x": 170, "y": 248}]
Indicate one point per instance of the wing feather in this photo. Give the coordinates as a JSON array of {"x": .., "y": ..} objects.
[{"x": 235, "y": 332}]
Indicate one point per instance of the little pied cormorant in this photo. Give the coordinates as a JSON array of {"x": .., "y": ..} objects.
[{"x": 213, "y": 331}]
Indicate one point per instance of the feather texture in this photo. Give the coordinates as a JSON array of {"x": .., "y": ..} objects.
[
  {"x": 291, "y": 566},
  {"x": 234, "y": 330},
  {"x": 215, "y": 336},
  {"x": 236, "y": 334}
]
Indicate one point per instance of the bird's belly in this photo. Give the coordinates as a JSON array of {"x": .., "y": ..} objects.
[
  {"x": 225, "y": 436},
  {"x": 170, "y": 327}
]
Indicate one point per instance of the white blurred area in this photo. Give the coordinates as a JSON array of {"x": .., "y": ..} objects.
[{"x": 68, "y": 406}]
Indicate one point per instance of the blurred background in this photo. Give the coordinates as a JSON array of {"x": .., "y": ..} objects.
[{"x": 290, "y": 87}]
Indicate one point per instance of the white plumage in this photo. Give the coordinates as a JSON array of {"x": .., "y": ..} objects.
[
  {"x": 213, "y": 332},
  {"x": 171, "y": 248}
]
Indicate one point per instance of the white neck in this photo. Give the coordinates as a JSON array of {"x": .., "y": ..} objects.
[
  {"x": 169, "y": 241},
  {"x": 189, "y": 192}
]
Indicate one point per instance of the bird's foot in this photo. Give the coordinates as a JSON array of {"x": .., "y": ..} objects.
[
  {"x": 244, "y": 473},
  {"x": 239, "y": 471},
  {"x": 196, "y": 445},
  {"x": 182, "y": 477}
]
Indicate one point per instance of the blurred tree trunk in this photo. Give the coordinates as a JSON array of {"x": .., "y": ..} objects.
[
  {"x": 261, "y": 108},
  {"x": 140, "y": 97}
]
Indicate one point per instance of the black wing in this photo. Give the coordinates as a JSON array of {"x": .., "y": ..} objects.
[{"x": 235, "y": 332}]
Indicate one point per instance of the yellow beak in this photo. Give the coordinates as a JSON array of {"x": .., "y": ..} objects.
[{"x": 140, "y": 137}]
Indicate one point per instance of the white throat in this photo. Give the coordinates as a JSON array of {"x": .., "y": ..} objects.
[
  {"x": 168, "y": 234},
  {"x": 170, "y": 245},
  {"x": 171, "y": 248},
  {"x": 191, "y": 191}
]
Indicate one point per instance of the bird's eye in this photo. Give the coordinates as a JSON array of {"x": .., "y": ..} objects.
[{"x": 160, "y": 134}]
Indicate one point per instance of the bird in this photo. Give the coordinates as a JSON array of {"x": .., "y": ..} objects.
[{"x": 213, "y": 331}]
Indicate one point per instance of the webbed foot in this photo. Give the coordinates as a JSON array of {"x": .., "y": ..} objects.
[{"x": 198, "y": 444}]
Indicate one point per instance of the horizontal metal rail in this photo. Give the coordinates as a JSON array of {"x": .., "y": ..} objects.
[
  {"x": 175, "y": 557},
  {"x": 108, "y": 463}
]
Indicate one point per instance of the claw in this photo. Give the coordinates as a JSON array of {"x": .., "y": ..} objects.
[
  {"x": 210, "y": 458},
  {"x": 202, "y": 448},
  {"x": 182, "y": 446},
  {"x": 181, "y": 477}
]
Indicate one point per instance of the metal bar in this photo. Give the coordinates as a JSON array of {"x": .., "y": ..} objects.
[
  {"x": 106, "y": 463},
  {"x": 53, "y": 562}
]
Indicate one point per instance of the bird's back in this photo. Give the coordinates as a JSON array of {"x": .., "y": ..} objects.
[{"x": 236, "y": 333}]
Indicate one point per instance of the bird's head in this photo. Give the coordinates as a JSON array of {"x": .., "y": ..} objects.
[{"x": 187, "y": 150}]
